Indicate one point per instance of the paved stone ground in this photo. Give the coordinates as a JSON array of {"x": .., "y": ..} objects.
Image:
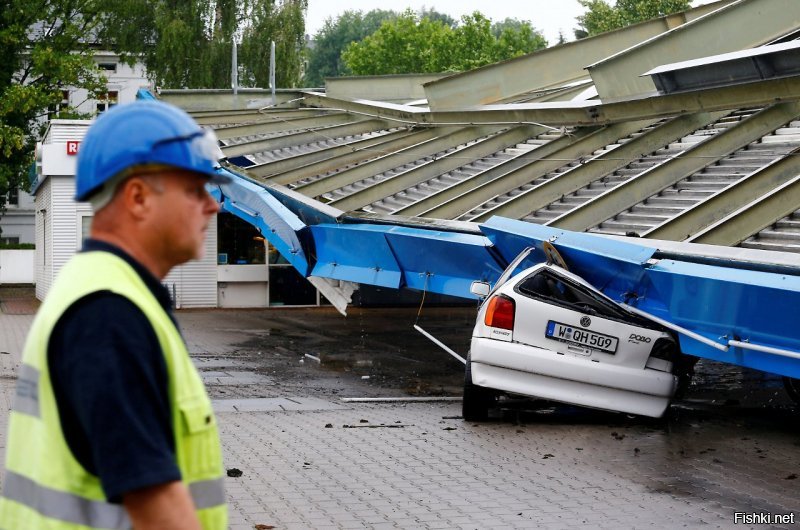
[{"x": 311, "y": 460}]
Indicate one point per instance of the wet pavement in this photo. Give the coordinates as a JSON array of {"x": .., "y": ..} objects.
[
  {"x": 731, "y": 445},
  {"x": 310, "y": 457}
]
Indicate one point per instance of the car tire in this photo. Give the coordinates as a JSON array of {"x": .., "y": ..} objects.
[
  {"x": 792, "y": 386},
  {"x": 477, "y": 399}
]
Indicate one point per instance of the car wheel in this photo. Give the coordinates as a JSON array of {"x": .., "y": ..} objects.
[
  {"x": 683, "y": 367},
  {"x": 792, "y": 386},
  {"x": 477, "y": 399}
]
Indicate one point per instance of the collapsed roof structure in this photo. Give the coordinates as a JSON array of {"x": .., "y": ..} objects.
[
  {"x": 678, "y": 131},
  {"x": 674, "y": 129}
]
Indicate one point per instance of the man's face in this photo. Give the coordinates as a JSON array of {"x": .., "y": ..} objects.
[{"x": 182, "y": 210}]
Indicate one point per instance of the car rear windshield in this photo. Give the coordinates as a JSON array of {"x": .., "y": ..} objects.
[{"x": 548, "y": 286}]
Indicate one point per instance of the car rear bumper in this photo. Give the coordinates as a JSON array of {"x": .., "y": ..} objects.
[{"x": 543, "y": 373}]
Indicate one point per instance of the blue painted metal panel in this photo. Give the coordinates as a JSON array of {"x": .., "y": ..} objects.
[
  {"x": 610, "y": 265},
  {"x": 144, "y": 93},
  {"x": 356, "y": 253},
  {"x": 723, "y": 303},
  {"x": 253, "y": 203},
  {"x": 442, "y": 262},
  {"x": 718, "y": 302}
]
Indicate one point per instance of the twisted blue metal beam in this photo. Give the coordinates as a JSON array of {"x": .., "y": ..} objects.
[{"x": 717, "y": 302}]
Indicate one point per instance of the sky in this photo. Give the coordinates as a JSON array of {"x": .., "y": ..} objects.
[{"x": 547, "y": 16}]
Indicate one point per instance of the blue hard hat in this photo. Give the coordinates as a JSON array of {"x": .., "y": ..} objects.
[{"x": 143, "y": 133}]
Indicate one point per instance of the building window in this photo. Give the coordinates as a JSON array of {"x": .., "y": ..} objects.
[
  {"x": 10, "y": 240},
  {"x": 238, "y": 242},
  {"x": 288, "y": 287},
  {"x": 108, "y": 67},
  {"x": 85, "y": 228},
  {"x": 54, "y": 110},
  {"x": 12, "y": 199},
  {"x": 107, "y": 100},
  {"x": 64, "y": 100}
]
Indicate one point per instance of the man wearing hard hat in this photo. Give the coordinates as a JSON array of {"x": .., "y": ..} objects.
[{"x": 111, "y": 425}]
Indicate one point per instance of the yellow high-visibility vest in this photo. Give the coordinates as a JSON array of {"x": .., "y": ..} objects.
[{"x": 45, "y": 487}]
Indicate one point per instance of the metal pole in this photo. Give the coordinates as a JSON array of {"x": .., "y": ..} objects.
[
  {"x": 440, "y": 344},
  {"x": 272, "y": 70},
  {"x": 234, "y": 68}
]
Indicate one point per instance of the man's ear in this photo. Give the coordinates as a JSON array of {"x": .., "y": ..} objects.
[{"x": 136, "y": 196}]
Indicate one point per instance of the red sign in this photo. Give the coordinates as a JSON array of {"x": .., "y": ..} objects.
[{"x": 72, "y": 147}]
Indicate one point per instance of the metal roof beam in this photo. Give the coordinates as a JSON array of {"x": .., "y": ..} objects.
[
  {"x": 373, "y": 109},
  {"x": 756, "y": 216},
  {"x": 455, "y": 200},
  {"x": 447, "y": 139},
  {"x": 354, "y": 154},
  {"x": 426, "y": 171},
  {"x": 759, "y": 93},
  {"x": 548, "y": 68},
  {"x": 276, "y": 167},
  {"x": 545, "y": 159},
  {"x": 394, "y": 88},
  {"x": 599, "y": 166},
  {"x": 289, "y": 140},
  {"x": 281, "y": 125},
  {"x": 225, "y": 100},
  {"x": 635, "y": 190},
  {"x": 254, "y": 116},
  {"x": 730, "y": 199},
  {"x": 740, "y": 25}
]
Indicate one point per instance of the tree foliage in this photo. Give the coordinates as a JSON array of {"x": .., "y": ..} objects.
[
  {"x": 188, "y": 43},
  {"x": 284, "y": 24},
  {"x": 413, "y": 44},
  {"x": 45, "y": 49},
  {"x": 601, "y": 16},
  {"x": 325, "y": 55}
]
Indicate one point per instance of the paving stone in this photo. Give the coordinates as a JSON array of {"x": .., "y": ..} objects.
[{"x": 299, "y": 474}]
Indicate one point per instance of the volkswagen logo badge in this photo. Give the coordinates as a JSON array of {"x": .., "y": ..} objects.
[{"x": 586, "y": 322}]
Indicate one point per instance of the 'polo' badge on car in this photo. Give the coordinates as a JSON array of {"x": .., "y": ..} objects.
[{"x": 586, "y": 322}]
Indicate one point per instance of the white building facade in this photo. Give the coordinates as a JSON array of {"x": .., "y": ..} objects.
[
  {"x": 237, "y": 269},
  {"x": 62, "y": 224},
  {"x": 17, "y": 222}
]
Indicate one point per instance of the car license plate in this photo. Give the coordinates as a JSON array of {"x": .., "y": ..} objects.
[{"x": 584, "y": 337}]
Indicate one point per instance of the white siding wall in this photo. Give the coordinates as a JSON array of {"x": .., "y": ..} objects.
[
  {"x": 42, "y": 259},
  {"x": 61, "y": 131},
  {"x": 58, "y": 231},
  {"x": 195, "y": 283},
  {"x": 62, "y": 226}
]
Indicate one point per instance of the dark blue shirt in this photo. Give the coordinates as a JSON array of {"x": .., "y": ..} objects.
[{"x": 109, "y": 377}]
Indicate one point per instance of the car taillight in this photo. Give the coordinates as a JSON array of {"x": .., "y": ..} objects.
[{"x": 500, "y": 313}]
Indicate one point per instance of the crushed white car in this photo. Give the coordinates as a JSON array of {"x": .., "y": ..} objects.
[{"x": 543, "y": 332}]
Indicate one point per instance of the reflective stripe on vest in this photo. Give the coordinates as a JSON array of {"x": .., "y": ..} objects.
[
  {"x": 27, "y": 398},
  {"x": 64, "y": 506},
  {"x": 208, "y": 493},
  {"x": 96, "y": 514}
]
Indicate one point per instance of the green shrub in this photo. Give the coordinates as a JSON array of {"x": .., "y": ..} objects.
[{"x": 17, "y": 246}]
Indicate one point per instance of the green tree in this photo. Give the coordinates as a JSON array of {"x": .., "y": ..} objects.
[
  {"x": 45, "y": 50},
  {"x": 410, "y": 44},
  {"x": 601, "y": 16},
  {"x": 402, "y": 45},
  {"x": 284, "y": 24},
  {"x": 515, "y": 38},
  {"x": 325, "y": 53},
  {"x": 436, "y": 16},
  {"x": 188, "y": 43}
]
